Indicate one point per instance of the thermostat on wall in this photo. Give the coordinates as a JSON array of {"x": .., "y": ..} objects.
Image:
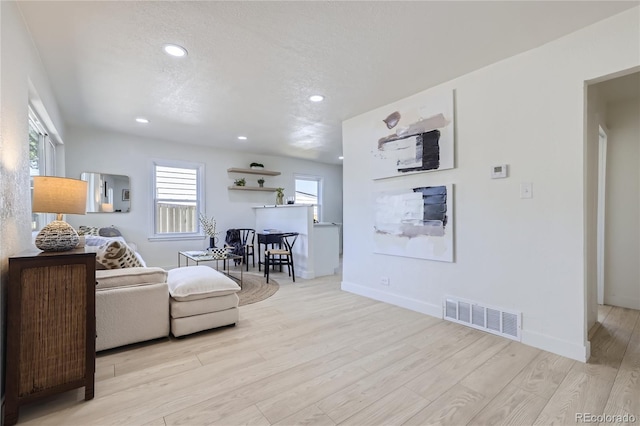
[{"x": 499, "y": 172}]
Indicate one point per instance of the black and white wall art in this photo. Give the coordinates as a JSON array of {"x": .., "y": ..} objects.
[
  {"x": 416, "y": 222},
  {"x": 415, "y": 139}
]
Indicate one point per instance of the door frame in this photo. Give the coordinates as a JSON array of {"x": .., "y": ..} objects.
[{"x": 601, "y": 215}]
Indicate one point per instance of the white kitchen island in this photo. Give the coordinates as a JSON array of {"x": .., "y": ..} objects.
[{"x": 316, "y": 252}]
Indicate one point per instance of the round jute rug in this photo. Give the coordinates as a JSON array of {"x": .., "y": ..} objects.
[{"x": 255, "y": 289}]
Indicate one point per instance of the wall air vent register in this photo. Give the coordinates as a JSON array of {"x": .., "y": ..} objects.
[{"x": 490, "y": 319}]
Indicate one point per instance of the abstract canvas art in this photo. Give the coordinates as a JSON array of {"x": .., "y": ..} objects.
[
  {"x": 421, "y": 139},
  {"x": 415, "y": 222}
]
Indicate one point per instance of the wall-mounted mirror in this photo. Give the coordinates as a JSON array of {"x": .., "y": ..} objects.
[{"x": 107, "y": 193}]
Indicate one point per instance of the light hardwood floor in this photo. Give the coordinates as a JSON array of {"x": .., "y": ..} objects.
[{"x": 314, "y": 355}]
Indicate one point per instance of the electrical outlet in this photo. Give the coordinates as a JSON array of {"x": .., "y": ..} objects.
[{"x": 384, "y": 281}]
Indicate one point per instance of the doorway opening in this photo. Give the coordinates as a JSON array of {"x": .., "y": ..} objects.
[{"x": 612, "y": 195}]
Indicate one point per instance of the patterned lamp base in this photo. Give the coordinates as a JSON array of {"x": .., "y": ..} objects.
[{"x": 57, "y": 236}]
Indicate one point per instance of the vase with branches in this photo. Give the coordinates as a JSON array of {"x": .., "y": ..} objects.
[{"x": 209, "y": 228}]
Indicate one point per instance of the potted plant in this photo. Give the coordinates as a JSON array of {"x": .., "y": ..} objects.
[
  {"x": 240, "y": 182},
  {"x": 279, "y": 195},
  {"x": 256, "y": 166},
  {"x": 261, "y": 182}
]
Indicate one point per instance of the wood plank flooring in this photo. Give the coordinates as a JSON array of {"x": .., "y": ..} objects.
[{"x": 314, "y": 355}]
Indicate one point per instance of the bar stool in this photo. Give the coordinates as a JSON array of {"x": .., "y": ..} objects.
[{"x": 281, "y": 256}]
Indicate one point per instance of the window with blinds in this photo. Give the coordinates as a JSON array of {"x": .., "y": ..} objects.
[
  {"x": 177, "y": 190},
  {"x": 309, "y": 191}
]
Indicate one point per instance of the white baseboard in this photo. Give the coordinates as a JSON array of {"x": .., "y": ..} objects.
[
  {"x": 561, "y": 347},
  {"x": 393, "y": 299},
  {"x": 541, "y": 341},
  {"x": 623, "y": 302},
  {"x": 307, "y": 275}
]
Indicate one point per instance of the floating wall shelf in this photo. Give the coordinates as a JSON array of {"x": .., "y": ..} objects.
[
  {"x": 251, "y": 188},
  {"x": 263, "y": 172}
]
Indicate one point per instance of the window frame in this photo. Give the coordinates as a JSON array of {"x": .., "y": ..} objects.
[
  {"x": 47, "y": 156},
  {"x": 200, "y": 200},
  {"x": 320, "y": 181}
]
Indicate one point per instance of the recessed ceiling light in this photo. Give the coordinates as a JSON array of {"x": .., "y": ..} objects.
[
  {"x": 174, "y": 50},
  {"x": 316, "y": 98},
  {"x": 242, "y": 138},
  {"x": 341, "y": 158},
  {"x": 142, "y": 120}
]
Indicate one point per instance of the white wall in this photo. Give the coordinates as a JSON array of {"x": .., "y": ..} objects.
[
  {"x": 622, "y": 229},
  {"x": 524, "y": 255},
  {"x": 100, "y": 151},
  {"x": 22, "y": 79}
]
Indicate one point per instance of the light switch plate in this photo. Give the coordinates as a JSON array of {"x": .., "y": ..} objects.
[{"x": 526, "y": 190}]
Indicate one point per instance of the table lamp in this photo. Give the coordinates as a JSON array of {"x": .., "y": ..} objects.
[{"x": 61, "y": 196}]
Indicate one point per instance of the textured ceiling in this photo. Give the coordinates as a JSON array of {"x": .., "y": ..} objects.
[{"x": 252, "y": 65}]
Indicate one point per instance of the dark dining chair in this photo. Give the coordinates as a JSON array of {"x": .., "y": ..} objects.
[
  {"x": 247, "y": 236},
  {"x": 241, "y": 242},
  {"x": 281, "y": 256}
]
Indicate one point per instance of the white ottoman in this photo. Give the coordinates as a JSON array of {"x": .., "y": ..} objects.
[{"x": 201, "y": 298}]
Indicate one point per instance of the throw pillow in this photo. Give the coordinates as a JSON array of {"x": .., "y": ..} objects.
[
  {"x": 111, "y": 231},
  {"x": 88, "y": 230},
  {"x": 94, "y": 242},
  {"x": 115, "y": 255}
]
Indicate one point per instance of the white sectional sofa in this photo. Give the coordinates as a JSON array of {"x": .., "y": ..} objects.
[
  {"x": 132, "y": 305},
  {"x": 135, "y": 303}
]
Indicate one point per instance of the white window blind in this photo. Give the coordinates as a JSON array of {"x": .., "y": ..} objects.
[{"x": 176, "y": 199}]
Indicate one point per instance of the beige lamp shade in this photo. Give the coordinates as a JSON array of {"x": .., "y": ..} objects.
[{"x": 59, "y": 195}]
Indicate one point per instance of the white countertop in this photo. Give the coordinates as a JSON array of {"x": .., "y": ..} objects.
[{"x": 281, "y": 206}]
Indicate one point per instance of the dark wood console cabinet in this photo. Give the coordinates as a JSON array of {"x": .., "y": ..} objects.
[{"x": 51, "y": 327}]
